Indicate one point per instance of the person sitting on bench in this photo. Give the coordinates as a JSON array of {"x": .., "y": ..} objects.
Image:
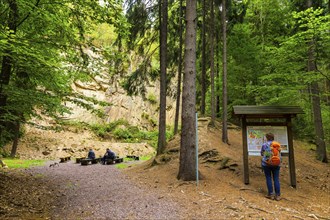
[
  {"x": 91, "y": 154},
  {"x": 108, "y": 155}
]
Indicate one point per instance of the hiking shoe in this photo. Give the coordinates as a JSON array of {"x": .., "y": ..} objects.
[
  {"x": 277, "y": 198},
  {"x": 271, "y": 196}
]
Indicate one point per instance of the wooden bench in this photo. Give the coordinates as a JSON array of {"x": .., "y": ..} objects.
[
  {"x": 65, "y": 159},
  {"x": 112, "y": 161},
  {"x": 96, "y": 160},
  {"x": 86, "y": 161}
]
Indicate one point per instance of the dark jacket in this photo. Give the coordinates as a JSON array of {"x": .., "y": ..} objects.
[
  {"x": 91, "y": 155},
  {"x": 109, "y": 154}
]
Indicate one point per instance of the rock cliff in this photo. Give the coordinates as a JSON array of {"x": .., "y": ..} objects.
[{"x": 136, "y": 110}]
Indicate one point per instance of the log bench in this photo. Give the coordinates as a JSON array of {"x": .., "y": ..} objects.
[{"x": 65, "y": 159}]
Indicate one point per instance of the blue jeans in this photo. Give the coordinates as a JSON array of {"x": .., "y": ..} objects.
[{"x": 275, "y": 172}]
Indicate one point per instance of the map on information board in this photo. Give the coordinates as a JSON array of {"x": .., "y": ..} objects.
[{"x": 256, "y": 137}]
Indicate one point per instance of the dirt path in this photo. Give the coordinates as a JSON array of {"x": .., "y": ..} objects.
[
  {"x": 153, "y": 192},
  {"x": 102, "y": 191}
]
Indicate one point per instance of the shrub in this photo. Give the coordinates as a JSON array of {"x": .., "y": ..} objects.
[
  {"x": 128, "y": 133},
  {"x": 152, "y": 98},
  {"x": 102, "y": 129}
]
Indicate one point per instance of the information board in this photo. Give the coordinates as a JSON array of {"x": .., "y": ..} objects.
[{"x": 256, "y": 137}]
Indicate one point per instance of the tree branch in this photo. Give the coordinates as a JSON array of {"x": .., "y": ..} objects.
[
  {"x": 28, "y": 15},
  {"x": 325, "y": 76},
  {"x": 4, "y": 11}
]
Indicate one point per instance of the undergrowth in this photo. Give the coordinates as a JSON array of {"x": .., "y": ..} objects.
[
  {"x": 122, "y": 131},
  {"x": 18, "y": 163}
]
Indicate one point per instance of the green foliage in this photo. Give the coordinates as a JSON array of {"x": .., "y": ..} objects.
[
  {"x": 18, "y": 163},
  {"x": 289, "y": 80},
  {"x": 268, "y": 56},
  {"x": 132, "y": 134},
  {"x": 125, "y": 134},
  {"x": 151, "y": 120},
  {"x": 125, "y": 165},
  {"x": 121, "y": 166},
  {"x": 126, "y": 159},
  {"x": 145, "y": 116},
  {"x": 103, "y": 35},
  {"x": 142, "y": 47},
  {"x": 135, "y": 83},
  {"x": 102, "y": 129},
  {"x": 152, "y": 98},
  {"x": 245, "y": 64},
  {"x": 146, "y": 157},
  {"x": 326, "y": 122},
  {"x": 47, "y": 48},
  {"x": 4, "y": 153},
  {"x": 122, "y": 131}
]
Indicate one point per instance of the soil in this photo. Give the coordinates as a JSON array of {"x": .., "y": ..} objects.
[{"x": 150, "y": 189}]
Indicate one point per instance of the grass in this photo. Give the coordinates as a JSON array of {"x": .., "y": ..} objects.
[
  {"x": 128, "y": 159},
  {"x": 18, "y": 163},
  {"x": 146, "y": 157},
  {"x": 121, "y": 166},
  {"x": 125, "y": 165}
]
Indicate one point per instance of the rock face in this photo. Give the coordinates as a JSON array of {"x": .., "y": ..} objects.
[
  {"x": 137, "y": 111},
  {"x": 134, "y": 109}
]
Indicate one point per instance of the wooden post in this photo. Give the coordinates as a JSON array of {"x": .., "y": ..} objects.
[
  {"x": 291, "y": 153},
  {"x": 245, "y": 152}
]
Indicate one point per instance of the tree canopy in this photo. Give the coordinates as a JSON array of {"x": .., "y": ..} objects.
[{"x": 277, "y": 54}]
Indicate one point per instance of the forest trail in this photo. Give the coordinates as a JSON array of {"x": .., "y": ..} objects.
[
  {"x": 153, "y": 192},
  {"x": 73, "y": 191},
  {"x": 102, "y": 191}
]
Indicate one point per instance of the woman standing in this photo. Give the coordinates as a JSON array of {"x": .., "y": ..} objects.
[{"x": 270, "y": 163}]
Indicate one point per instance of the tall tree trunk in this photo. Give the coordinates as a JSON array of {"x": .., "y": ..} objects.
[
  {"x": 163, "y": 65},
  {"x": 15, "y": 142},
  {"x": 316, "y": 103},
  {"x": 178, "y": 89},
  {"x": 224, "y": 74},
  {"x": 203, "y": 78},
  {"x": 318, "y": 124},
  {"x": 217, "y": 40},
  {"x": 212, "y": 65},
  {"x": 187, "y": 169},
  {"x": 7, "y": 61}
]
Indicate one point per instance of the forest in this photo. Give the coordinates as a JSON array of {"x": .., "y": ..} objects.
[{"x": 218, "y": 54}]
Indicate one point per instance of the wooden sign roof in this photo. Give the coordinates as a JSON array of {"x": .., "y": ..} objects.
[{"x": 266, "y": 111}]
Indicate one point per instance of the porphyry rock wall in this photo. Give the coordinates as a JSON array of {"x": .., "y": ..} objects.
[{"x": 137, "y": 111}]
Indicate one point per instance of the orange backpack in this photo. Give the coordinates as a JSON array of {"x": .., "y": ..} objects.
[{"x": 275, "y": 154}]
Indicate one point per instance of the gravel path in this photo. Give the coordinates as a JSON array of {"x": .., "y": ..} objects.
[{"x": 103, "y": 192}]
